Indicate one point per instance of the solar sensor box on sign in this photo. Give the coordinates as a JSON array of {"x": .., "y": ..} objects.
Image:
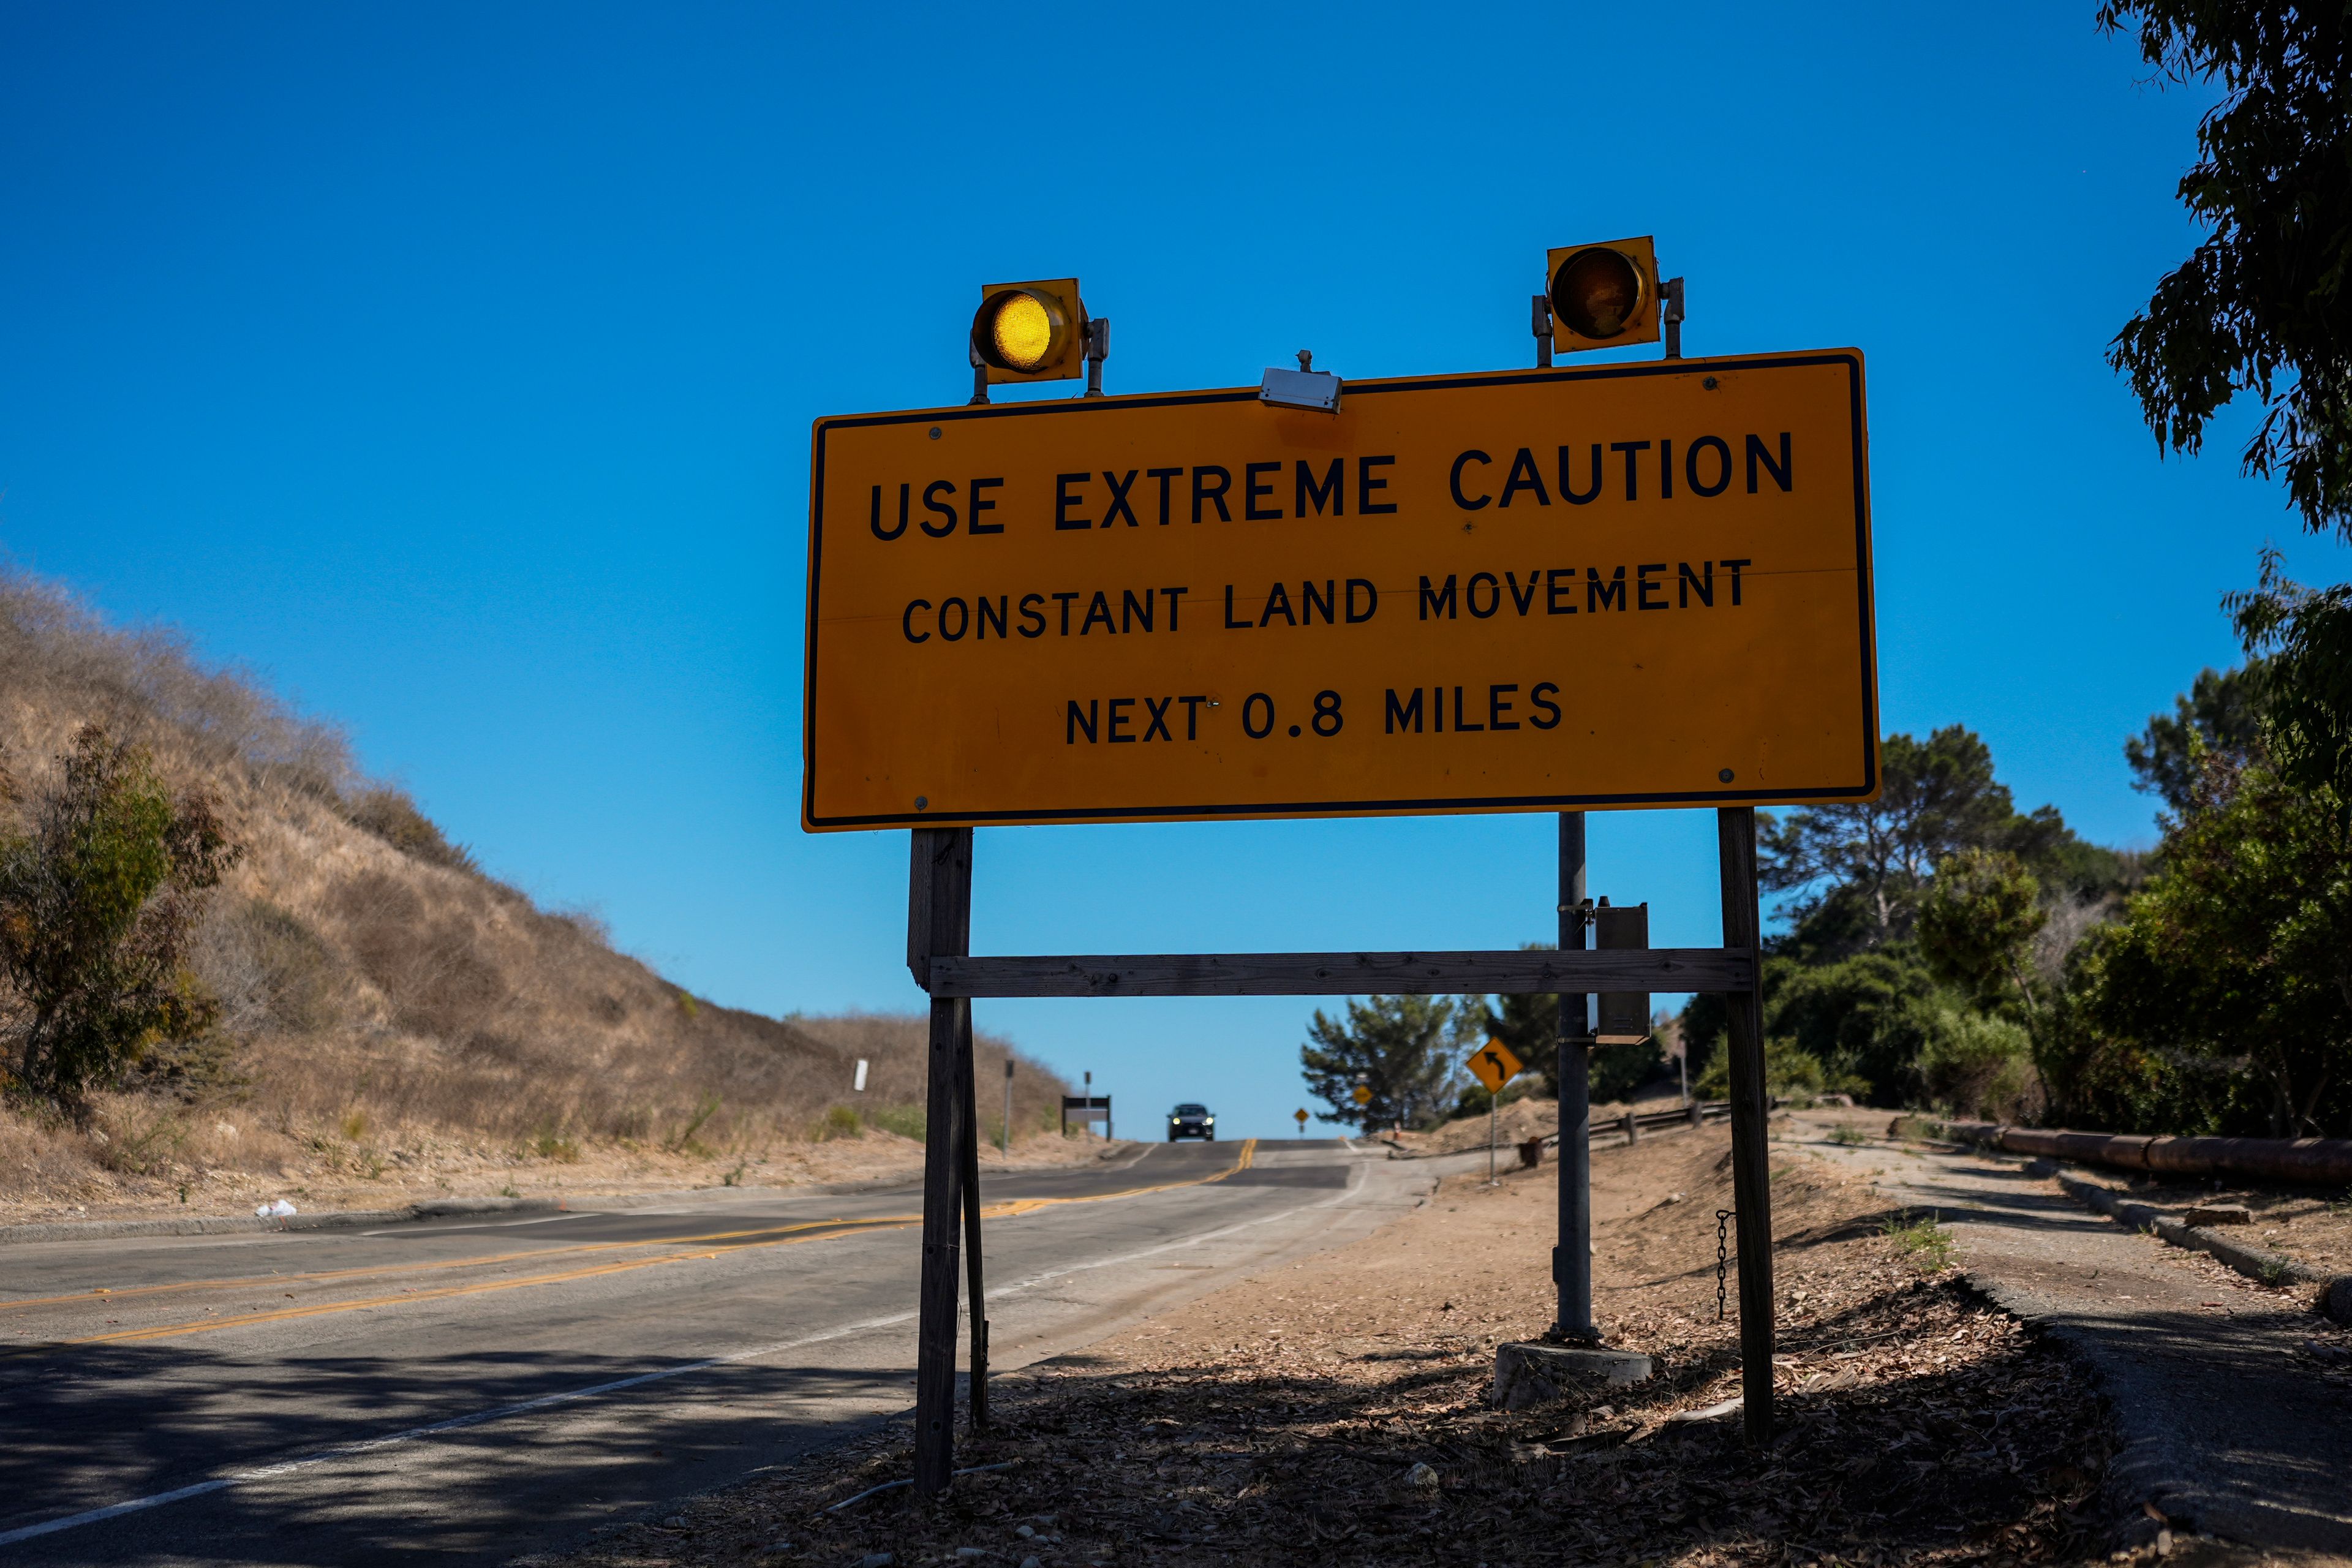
[{"x": 1628, "y": 585}]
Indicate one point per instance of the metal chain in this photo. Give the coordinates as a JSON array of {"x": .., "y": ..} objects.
[{"x": 1722, "y": 1259}]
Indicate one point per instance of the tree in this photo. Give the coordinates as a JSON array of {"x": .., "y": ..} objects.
[
  {"x": 1861, "y": 866},
  {"x": 1531, "y": 1026},
  {"x": 1403, "y": 1047},
  {"x": 2308, "y": 711},
  {"x": 1978, "y": 918},
  {"x": 1865, "y": 1018},
  {"x": 2261, "y": 305},
  {"x": 2229, "y": 985},
  {"x": 2222, "y": 713},
  {"x": 96, "y": 905}
]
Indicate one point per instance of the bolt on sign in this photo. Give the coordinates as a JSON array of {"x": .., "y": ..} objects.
[
  {"x": 1494, "y": 1064},
  {"x": 1630, "y": 585}
]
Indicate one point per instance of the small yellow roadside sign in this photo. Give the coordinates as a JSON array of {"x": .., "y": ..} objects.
[
  {"x": 1301, "y": 1114},
  {"x": 1494, "y": 1064},
  {"x": 1625, "y": 585},
  {"x": 1363, "y": 1095}
]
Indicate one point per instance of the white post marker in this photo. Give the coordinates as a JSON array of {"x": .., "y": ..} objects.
[{"x": 860, "y": 1084}]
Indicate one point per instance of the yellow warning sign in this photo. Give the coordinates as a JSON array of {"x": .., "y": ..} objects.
[
  {"x": 1627, "y": 585},
  {"x": 1494, "y": 1064}
]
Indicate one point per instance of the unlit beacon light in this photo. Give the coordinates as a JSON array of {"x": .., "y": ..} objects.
[{"x": 1603, "y": 296}]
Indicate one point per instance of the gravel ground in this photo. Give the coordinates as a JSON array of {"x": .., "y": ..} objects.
[{"x": 1337, "y": 1411}]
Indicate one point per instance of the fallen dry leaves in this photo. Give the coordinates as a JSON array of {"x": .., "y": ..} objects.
[{"x": 1283, "y": 1420}]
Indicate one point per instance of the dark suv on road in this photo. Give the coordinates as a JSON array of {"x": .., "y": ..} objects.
[{"x": 1192, "y": 1121}]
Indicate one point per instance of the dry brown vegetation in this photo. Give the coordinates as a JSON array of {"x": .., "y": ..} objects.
[{"x": 390, "y": 1013}]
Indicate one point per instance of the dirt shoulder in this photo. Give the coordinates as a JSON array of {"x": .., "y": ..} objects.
[{"x": 1283, "y": 1420}]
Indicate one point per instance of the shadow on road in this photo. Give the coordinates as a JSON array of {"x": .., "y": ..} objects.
[{"x": 98, "y": 1435}]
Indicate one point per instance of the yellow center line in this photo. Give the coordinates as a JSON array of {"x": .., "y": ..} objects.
[
  {"x": 423, "y": 1267},
  {"x": 1006, "y": 1210}
]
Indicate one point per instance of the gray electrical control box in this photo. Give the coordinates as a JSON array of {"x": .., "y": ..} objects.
[{"x": 1624, "y": 1018}]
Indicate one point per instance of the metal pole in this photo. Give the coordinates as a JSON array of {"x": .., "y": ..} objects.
[
  {"x": 940, "y": 901},
  {"x": 1751, "y": 1158},
  {"x": 1098, "y": 351},
  {"x": 1571, "y": 1261},
  {"x": 978, "y": 1299},
  {"x": 1008, "y": 1107},
  {"x": 1493, "y": 1100}
]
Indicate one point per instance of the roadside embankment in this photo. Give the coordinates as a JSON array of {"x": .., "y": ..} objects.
[
  {"x": 367, "y": 1017},
  {"x": 1520, "y": 1121},
  {"x": 1337, "y": 1410}
]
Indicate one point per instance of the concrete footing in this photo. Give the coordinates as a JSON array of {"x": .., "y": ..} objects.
[{"x": 1537, "y": 1373}]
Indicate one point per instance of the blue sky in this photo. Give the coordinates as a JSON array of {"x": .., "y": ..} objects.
[{"x": 452, "y": 367}]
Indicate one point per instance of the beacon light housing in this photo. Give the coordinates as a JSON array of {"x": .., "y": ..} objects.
[
  {"x": 1030, "y": 331},
  {"x": 1603, "y": 296}
]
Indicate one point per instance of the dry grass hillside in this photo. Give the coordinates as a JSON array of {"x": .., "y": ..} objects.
[{"x": 394, "y": 1018}]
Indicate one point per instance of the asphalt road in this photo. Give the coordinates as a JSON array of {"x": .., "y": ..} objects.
[{"x": 464, "y": 1391}]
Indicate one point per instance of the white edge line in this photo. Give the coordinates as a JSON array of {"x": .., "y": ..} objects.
[{"x": 414, "y": 1434}]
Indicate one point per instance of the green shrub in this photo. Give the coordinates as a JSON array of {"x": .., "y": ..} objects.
[
  {"x": 1974, "y": 1063},
  {"x": 685, "y": 1143},
  {"x": 841, "y": 1122},
  {"x": 1926, "y": 1244},
  {"x": 97, "y": 905},
  {"x": 1848, "y": 1134},
  {"x": 552, "y": 1146},
  {"x": 1791, "y": 1072},
  {"x": 2218, "y": 1004},
  {"x": 140, "y": 1140},
  {"x": 906, "y": 1120}
]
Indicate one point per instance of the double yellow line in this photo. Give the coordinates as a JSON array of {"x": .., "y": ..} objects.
[{"x": 783, "y": 1236}]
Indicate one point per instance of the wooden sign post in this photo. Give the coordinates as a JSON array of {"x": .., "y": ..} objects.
[{"x": 1550, "y": 590}]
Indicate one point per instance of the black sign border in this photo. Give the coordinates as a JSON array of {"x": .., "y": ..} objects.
[{"x": 1294, "y": 810}]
